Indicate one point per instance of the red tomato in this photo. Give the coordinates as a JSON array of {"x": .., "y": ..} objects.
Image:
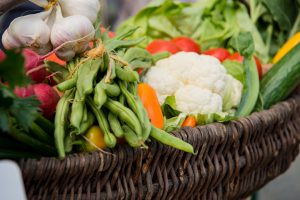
[
  {"x": 157, "y": 46},
  {"x": 186, "y": 44},
  {"x": 220, "y": 53},
  {"x": 239, "y": 58},
  {"x": 110, "y": 34},
  {"x": 2, "y": 55}
]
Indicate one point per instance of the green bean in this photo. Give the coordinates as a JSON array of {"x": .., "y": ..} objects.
[
  {"x": 132, "y": 102},
  {"x": 68, "y": 143},
  {"x": 62, "y": 111},
  {"x": 126, "y": 74},
  {"x": 40, "y": 134},
  {"x": 86, "y": 124},
  {"x": 100, "y": 96},
  {"x": 109, "y": 139},
  {"x": 115, "y": 125},
  {"x": 45, "y": 124},
  {"x": 132, "y": 88},
  {"x": 86, "y": 75},
  {"x": 170, "y": 140},
  {"x": 131, "y": 137},
  {"x": 112, "y": 90},
  {"x": 122, "y": 99},
  {"x": 147, "y": 123},
  {"x": 67, "y": 85},
  {"x": 126, "y": 115},
  {"x": 77, "y": 111}
]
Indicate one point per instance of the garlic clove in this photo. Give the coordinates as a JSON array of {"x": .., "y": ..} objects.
[
  {"x": 72, "y": 33},
  {"x": 28, "y": 31},
  {"x": 88, "y": 8}
]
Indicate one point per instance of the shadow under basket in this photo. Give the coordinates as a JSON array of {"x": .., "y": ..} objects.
[{"x": 234, "y": 160}]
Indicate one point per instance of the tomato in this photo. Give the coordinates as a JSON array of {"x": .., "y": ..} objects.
[
  {"x": 189, "y": 121},
  {"x": 220, "y": 53},
  {"x": 95, "y": 136},
  {"x": 157, "y": 46},
  {"x": 186, "y": 44},
  {"x": 110, "y": 33},
  {"x": 151, "y": 104},
  {"x": 239, "y": 58}
]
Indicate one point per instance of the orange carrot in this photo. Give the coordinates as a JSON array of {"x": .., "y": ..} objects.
[
  {"x": 150, "y": 102},
  {"x": 189, "y": 121}
]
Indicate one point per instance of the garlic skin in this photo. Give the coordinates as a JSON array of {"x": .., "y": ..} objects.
[
  {"x": 88, "y": 8},
  {"x": 28, "y": 31},
  {"x": 72, "y": 35}
]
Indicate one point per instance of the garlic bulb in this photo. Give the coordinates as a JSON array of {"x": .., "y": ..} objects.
[
  {"x": 72, "y": 35},
  {"x": 88, "y": 8},
  {"x": 28, "y": 31}
]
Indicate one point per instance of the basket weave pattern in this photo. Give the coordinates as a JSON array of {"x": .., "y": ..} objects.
[{"x": 233, "y": 160}]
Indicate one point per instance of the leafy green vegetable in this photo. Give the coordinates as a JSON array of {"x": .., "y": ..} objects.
[
  {"x": 235, "y": 69},
  {"x": 169, "y": 107},
  {"x": 174, "y": 123},
  {"x": 12, "y": 70}
]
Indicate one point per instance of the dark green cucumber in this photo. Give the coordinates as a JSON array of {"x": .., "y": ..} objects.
[{"x": 281, "y": 80}]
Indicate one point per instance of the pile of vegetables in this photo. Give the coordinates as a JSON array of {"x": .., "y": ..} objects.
[{"x": 172, "y": 65}]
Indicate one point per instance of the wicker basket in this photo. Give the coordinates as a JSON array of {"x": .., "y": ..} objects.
[{"x": 233, "y": 160}]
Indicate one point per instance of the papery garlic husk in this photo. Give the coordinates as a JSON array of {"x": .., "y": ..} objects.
[
  {"x": 73, "y": 33},
  {"x": 28, "y": 31},
  {"x": 88, "y": 8}
]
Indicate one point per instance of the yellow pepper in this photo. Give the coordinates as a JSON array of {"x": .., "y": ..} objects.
[
  {"x": 291, "y": 43},
  {"x": 95, "y": 136}
]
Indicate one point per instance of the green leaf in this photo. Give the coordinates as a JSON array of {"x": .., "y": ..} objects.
[
  {"x": 169, "y": 107},
  {"x": 245, "y": 44},
  {"x": 174, "y": 123},
  {"x": 235, "y": 69},
  {"x": 25, "y": 111},
  {"x": 4, "y": 120},
  {"x": 60, "y": 72},
  {"x": 12, "y": 70}
]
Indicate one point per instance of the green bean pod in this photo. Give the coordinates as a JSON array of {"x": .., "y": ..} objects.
[
  {"x": 62, "y": 111},
  {"x": 68, "y": 84},
  {"x": 86, "y": 124},
  {"x": 115, "y": 125},
  {"x": 131, "y": 137},
  {"x": 112, "y": 90},
  {"x": 126, "y": 74},
  {"x": 77, "y": 111},
  {"x": 86, "y": 75},
  {"x": 147, "y": 124},
  {"x": 109, "y": 139},
  {"x": 132, "y": 102},
  {"x": 100, "y": 96},
  {"x": 122, "y": 99},
  {"x": 126, "y": 115},
  {"x": 170, "y": 140}
]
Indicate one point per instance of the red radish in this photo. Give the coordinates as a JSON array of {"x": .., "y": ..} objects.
[
  {"x": 45, "y": 94},
  {"x": 2, "y": 55},
  {"x": 220, "y": 53},
  {"x": 157, "y": 46},
  {"x": 34, "y": 66},
  {"x": 23, "y": 92},
  {"x": 48, "y": 98},
  {"x": 186, "y": 44}
]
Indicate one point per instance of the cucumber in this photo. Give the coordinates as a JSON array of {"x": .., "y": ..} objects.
[{"x": 281, "y": 80}]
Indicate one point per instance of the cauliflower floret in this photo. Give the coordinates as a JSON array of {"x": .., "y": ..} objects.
[
  {"x": 201, "y": 70},
  {"x": 163, "y": 82},
  {"x": 191, "y": 99}
]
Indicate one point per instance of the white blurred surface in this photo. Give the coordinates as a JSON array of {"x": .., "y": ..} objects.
[{"x": 11, "y": 182}]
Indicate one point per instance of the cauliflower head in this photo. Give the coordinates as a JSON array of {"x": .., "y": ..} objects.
[{"x": 199, "y": 83}]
